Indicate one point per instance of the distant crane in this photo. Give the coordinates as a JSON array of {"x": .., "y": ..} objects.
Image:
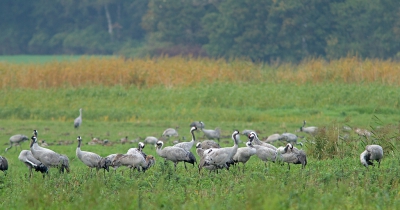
[
  {"x": 78, "y": 120},
  {"x": 17, "y": 140}
]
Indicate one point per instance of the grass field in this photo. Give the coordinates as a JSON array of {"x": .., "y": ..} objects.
[{"x": 121, "y": 98}]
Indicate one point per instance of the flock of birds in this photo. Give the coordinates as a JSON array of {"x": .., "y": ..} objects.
[{"x": 212, "y": 156}]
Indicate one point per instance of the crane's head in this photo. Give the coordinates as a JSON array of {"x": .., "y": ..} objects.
[
  {"x": 159, "y": 144},
  {"x": 198, "y": 145},
  {"x": 249, "y": 144},
  {"x": 79, "y": 138},
  {"x": 141, "y": 146},
  {"x": 251, "y": 137},
  {"x": 35, "y": 132},
  {"x": 193, "y": 128},
  {"x": 254, "y": 134}
]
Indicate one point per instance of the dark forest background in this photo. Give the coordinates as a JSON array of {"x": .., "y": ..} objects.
[{"x": 261, "y": 30}]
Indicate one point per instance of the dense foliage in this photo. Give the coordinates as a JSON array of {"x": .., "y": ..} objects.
[{"x": 273, "y": 31}]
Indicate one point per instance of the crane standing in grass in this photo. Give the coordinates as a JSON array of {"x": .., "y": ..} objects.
[
  {"x": 17, "y": 140},
  {"x": 88, "y": 158},
  {"x": 78, "y": 120},
  {"x": 371, "y": 153}
]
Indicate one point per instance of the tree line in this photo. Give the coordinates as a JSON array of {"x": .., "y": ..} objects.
[{"x": 267, "y": 30}]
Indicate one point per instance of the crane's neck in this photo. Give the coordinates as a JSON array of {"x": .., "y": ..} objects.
[
  {"x": 193, "y": 137},
  {"x": 79, "y": 144}
]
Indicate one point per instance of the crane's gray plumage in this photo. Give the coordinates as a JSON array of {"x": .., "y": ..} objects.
[
  {"x": 3, "y": 165},
  {"x": 138, "y": 150},
  {"x": 27, "y": 158},
  {"x": 311, "y": 130},
  {"x": 188, "y": 145},
  {"x": 220, "y": 157},
  {"x": 106, "y": 162},
  {"x": 290, "y": 138},
  {"x": 362, "y": 132},
  {"x": 78, "y": 120},
  {"x": 197, "y": 124},
  {"x": 212, "y": 134},
  {"x": 174, "y": 154},
  {"x": 244, "y": 154},
  {"x": 48, "y": 157},
  {"x": 263, "y": 153},
  {"x": 371, "y": 153},
  {"x": 170, "y": 132},
  {"x": 247, "y": 132},
  {"x": 90, "y": 159},
  {"x": 134, "y": 161},
  {"x": 150, "y": 140},
  {"x": 273, "y": 138},
  {"x": 256, "y": 141},
  {"x": 207, "y": 144},
  {"x": 17, "y": 140},
  {"x": 294, "y": 156}
]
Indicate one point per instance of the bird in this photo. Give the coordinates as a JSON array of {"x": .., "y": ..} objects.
[
  {"x": 90, "y": 159},
  {"x": 211, "y": 134},
  {"x": 293, "y": 155},
  {"x": 124, "y": 140},
  {"x": 290, "y": 138},
  {"x": 362, "y": 132},
  {"x": 256, "y": 141},
  {"x": 78, "y": 120},
  {"x": 138, "y": 150},
  {"x": 43, "y": 143},
  {"x": 188, "y": 145},
  {"x": 207, "y": 144},
  {"x": 244, "y": 154},
  {"x": 200, "y": 153},
  {"x": 174, "y": 154},
  {"x": 220, "y": 157},
  {"x": 371, "y": 153},
  {"x": 3, "y": 165},
  {"x": 48, "y": 157},
  {"x": 150, "y": 140},
  {"x": 197, "y": 124},
  {"x": 247, "y": 132},
  {"x": 272, "y": 138},
  {"x": 17, "y": 140},
  {"x": 27, "y": 158},
  {"x": 263, "y": 153},
  {"x": 134, "y": 161},
  {"x": 170, "y": 132},
  {"x": 312, "y": 130},
  {"x": 106, "y": 162}
]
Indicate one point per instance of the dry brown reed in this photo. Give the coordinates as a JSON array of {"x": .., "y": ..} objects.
[{"x": 185, "y": 71}]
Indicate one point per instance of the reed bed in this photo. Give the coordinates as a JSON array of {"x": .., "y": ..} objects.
[{"x": 187, "y": 71}]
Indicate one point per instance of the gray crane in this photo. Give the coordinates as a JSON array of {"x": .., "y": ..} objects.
[
  {"x": 27, "y": 158},
  {"x": 197, "y": 124},
  {"x": 207, "y": 144},
  {"x": 3, "y": 165},
  {"x": 211, "y": 134},
  {"x": 170, "y": 132},
  {"x": 311, "y": 130},
  {"x": 150, "y": 140},
  {"x": 256, "y": 141},
  {"x": 188, "y": 145},
  {"x": 174, "y": 154},
  {"x": 138, "y": 150},
  {"x": 220, "y": 157},
  {"x": 290, "y": 138},
  {"x": 48, "y": 157},
  {"x": 264, "y": 153},
  {"x": 90, "y": 159},
  {"x": 272, "y": 138},
  {"x": 371, "y": 153},
  {"x": 244, "y": 154},
  {"x": 17, "y": 140},
  {"x": 133, "y": 161},
  {"x": 294, "y": 156},
  {"x": 78, "y": 120},
  {"x": 202, "y": 164}
]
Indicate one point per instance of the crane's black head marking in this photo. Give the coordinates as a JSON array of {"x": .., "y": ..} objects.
[{"x": 79, "y": 138}]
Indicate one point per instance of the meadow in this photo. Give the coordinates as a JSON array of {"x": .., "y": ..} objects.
[{"x": 142, "y": 97}]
